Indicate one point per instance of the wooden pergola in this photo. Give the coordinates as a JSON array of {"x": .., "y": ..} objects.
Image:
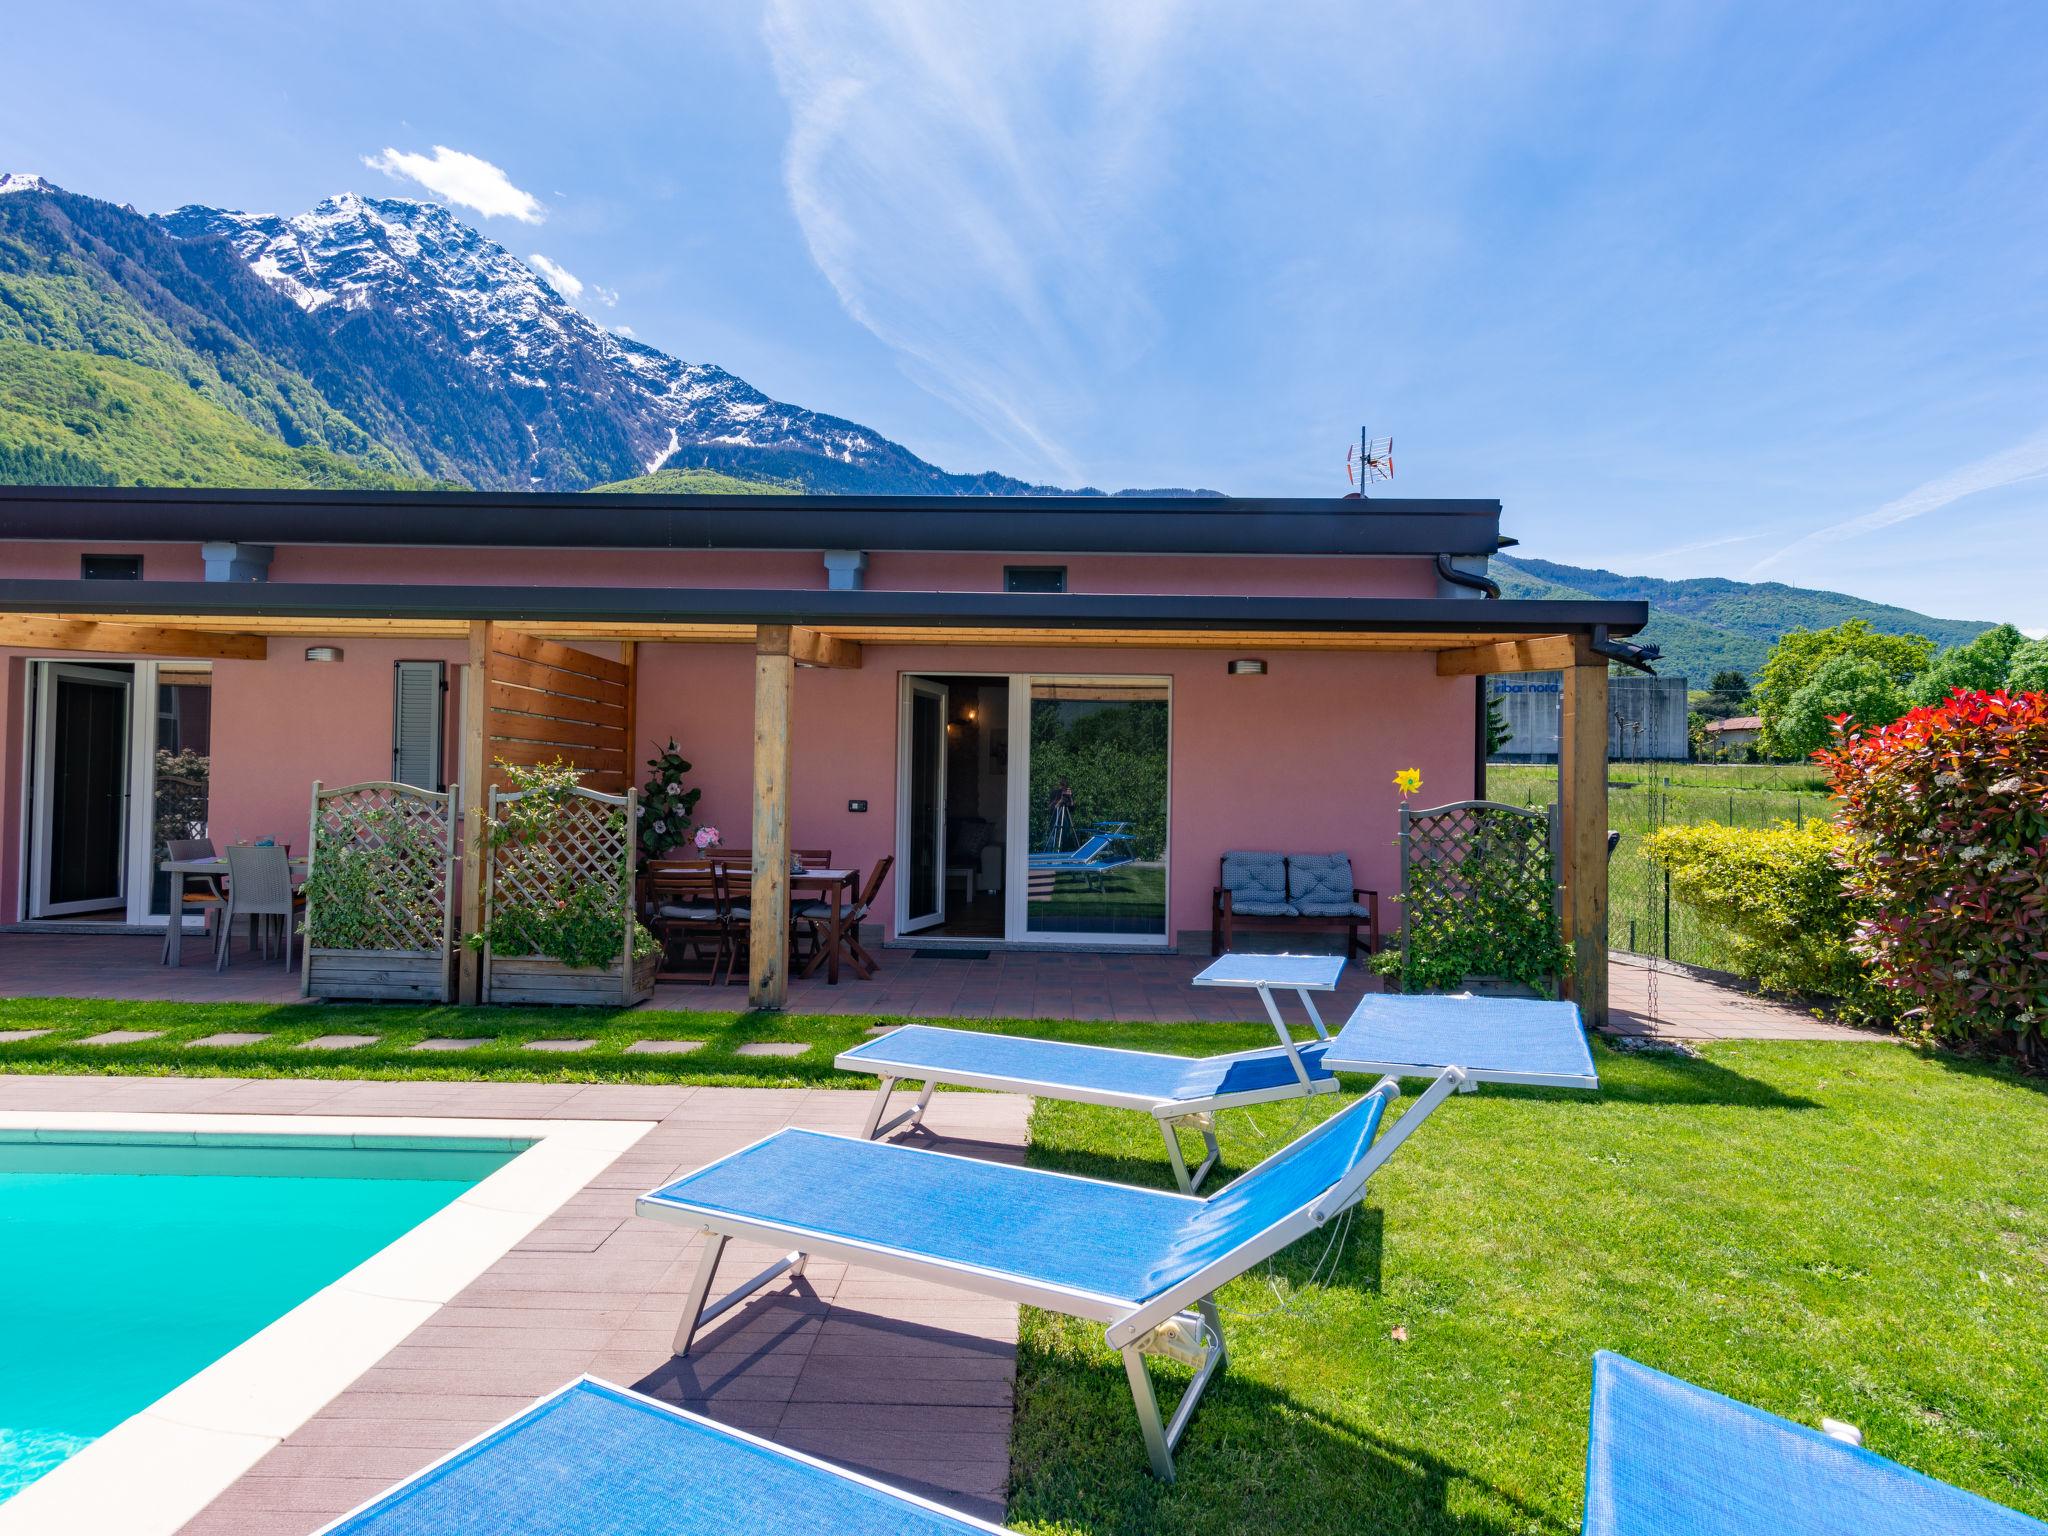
[{"x": 543, "y": 698}]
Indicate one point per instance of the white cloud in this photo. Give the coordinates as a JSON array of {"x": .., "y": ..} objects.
[
  {"x": 2027, "y": 460},
  {"x": 464, "y": 180},
  {"x": 608, "y": 297},
  {"x": 623, "y": 330},
  {"x": 980, "y": 187},
  {"x": 560, "y": 278}
]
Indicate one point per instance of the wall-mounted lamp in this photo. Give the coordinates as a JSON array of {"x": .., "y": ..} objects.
[
  {"x": 967, "y": 713},
  {"x": 323, "y": 653},
  {"x": 1247, "y": 666}
]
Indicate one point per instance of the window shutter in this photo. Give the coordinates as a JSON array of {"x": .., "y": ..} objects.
[{"x": 417, "y": 723}]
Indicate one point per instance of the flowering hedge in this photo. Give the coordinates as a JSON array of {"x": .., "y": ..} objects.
[{"x": 1946, "y": 819}]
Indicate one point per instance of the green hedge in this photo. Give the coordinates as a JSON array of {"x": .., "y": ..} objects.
[{"x": 1777, "y": 894}]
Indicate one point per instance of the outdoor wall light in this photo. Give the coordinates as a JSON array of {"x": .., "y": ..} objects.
[
  {"x": 1247, "y": 666},
  {"x": 323, "y": 653}
]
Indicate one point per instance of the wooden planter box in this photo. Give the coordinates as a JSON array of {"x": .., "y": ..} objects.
[
  {"x": 400, "y": 975},
  {"x": 533, "y": 979}
]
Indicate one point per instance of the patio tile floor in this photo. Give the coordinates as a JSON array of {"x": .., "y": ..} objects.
[
  {"x": 1649, "y": 1000},
  {"x": 892, "y": 1379}
]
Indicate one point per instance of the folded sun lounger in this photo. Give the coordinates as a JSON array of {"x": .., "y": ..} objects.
[
  {"x": 1134, "y": 1259},
  {"x": 597, "y": 1460},
  {"x": 1177, "y": 1090},
  {"x": 1667, "y": 1458}
]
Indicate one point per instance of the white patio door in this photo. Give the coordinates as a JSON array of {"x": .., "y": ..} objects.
[
  {"x": 79, "y": 854},
  {"x": 921, "y": 806}
]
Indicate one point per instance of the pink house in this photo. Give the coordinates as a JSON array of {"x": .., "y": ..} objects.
[{"x": 1054, "y": 714}]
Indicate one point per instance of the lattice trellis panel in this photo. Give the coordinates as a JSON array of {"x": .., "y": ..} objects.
[
  {"x": 1478, "y": 865},
  {"x": 588, "y": 840},
  {"x": 383, "y": 869}
]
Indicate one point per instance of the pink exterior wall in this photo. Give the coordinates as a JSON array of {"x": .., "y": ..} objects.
[{"x": 1301, "y": 760}]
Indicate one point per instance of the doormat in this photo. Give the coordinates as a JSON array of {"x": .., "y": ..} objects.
[{"x": 949, "y": 954}]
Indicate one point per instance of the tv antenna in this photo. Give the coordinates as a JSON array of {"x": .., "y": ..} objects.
[{"x": 1372, "y": 459}]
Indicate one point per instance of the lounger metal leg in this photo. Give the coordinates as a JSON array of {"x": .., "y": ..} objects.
[
  {"x": 696, "y": 1315},
  {"x": 1309, "y": 1003},
  {"x": 1170, "y": 1128},
  {"x": 1156, "y": 1444},
  {"x": 872, "y": 1129},
  {"x": 913, "y": 1115},
  {"x": 1286, "y": 1039}
]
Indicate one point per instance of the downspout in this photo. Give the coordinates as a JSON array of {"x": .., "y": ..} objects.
[
  {"x": 1472, "y": 579},
  {"x": 1627, "y": 652}
]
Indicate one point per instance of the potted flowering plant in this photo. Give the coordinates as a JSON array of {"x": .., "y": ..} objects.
[{"x": 665, "y": 806}]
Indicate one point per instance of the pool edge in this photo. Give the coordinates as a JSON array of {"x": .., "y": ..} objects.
[{"x": 160, "y": 1467}]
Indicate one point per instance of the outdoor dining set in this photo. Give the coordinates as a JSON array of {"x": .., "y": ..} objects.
[
  {"x": 259, "y": 882},
  {"x": 700, "y": 910}
]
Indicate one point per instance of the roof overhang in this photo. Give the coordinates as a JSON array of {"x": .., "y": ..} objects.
[
  {"x": 1504, "y": 635},
  {"x": 1200, "y": 525}
]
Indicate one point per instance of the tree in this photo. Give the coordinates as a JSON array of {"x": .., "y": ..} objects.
[
  {"x": 1729, "y": 696},
  {"x": 1979, "y": 667},
  {"x": 2029, "y": 670},
  {"x": 1800, "y": 653},
  {"x": 1845, "y": 684},
  {"x": 1497, "y": 733}
]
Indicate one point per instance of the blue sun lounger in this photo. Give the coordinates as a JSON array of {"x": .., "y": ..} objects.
[
  {"x": 1143, "y": 1262},
  {"x": 1093, "y": 858},
  {"x": 597, "y": 1460},
  {"x": 1667, "y": 1458}
]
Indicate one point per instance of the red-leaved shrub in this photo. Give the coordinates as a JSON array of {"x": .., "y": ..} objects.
[{"x": 1946, "y": 815}]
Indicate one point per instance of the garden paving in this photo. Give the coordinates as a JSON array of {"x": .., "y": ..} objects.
[
  {"x": 564, "y": 1046},
  {"x": 337, "y": 1042},
  {"x": 664, "y": 1047},
  {"x": 232, "y": 1037},
  {"x": 887, "y": 1375}
]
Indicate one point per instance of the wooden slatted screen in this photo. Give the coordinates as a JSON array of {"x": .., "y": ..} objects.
[{"x": 546, "y": 702}]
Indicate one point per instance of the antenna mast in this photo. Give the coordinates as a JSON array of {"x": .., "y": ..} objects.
[{"x": 1372, "y": 459}]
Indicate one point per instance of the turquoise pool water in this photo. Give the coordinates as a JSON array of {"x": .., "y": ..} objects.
[{"x": 128, "y": 1264}]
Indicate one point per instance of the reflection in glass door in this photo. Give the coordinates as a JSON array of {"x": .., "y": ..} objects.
[
  {"x": 179, "y": 767},
  {"x": 921, "y": 850},
  {"x": 81, "y": 821},
  {"x": 1097, "y": 792}
]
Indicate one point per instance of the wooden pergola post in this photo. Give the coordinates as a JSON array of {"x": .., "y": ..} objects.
[
  {"x": 1582, "y": 810},
  {"x": 768, "y": 927},
  {"x": 475, "y": 774}
]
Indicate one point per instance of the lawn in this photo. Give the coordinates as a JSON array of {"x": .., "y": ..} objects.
[
  {"x": 1642, "y": 797},
  {"x": 1855, "y": 1230}
]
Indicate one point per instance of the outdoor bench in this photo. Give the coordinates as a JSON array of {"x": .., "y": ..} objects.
[{"x": 1293, "y": 893}]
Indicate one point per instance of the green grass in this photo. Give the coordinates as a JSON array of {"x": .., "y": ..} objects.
[
  {"x": 1644, "y": 796},
  {"x": 1855, "y": 1230},
  {"x": 503, "y": 1059}
]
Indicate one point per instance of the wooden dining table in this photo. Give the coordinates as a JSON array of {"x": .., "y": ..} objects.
[
  {"x": 216, "y": 868},
  {"x": 833, "y": 886}
]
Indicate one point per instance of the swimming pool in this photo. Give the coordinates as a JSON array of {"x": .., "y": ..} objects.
[{"x": 133, "y": 1261}]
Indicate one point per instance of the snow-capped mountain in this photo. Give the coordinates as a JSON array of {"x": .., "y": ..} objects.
[{"x": 595, "y": 405}]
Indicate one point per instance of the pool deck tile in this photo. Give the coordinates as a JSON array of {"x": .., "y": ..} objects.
[{"x": 890, "y": 1377}]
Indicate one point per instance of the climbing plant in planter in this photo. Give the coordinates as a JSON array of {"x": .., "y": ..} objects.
[
  {"x": 1479, "y": 900},
  {"x": 379, "y": 919},
  {"x": 559, "y": 925},
  {"x": 665, "y": 808}
]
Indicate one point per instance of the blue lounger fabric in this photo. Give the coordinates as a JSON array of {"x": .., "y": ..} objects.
[
  {"x": 1481, "y": 1034},
  {"x": 1104, "y": 1240},
  {"x": 1145, "y": 1077},
  {"x": 1667, "y": 1458},
  {"x": 592, "y": 1459}
]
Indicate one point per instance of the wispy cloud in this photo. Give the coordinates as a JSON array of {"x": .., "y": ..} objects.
[
  {"x": 2026, "y": 460},
  {"x": 559, "y": 277},
  {"x": 976, "y": 185},
  {"x": 465, "y": 180}
]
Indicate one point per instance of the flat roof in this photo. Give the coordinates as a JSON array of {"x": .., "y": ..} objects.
[
  {"x": 218, "y": 604},
  {"x": 1022, "y": 525}
]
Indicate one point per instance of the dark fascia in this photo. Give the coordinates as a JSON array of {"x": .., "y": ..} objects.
[
  {"x": 751, "y": 605},
  {"x": 1007, "y": 524}
]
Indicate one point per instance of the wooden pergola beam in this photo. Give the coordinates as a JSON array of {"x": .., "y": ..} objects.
[
  {"x": 475, "y": 774},
  {"x": 107, "y": 638},
  {"x": 1582, "y": 810},
  {"x": 768, "y": 900},
  {"x": 1539, "y": 653},
  {"x": 806, "y": 647}
]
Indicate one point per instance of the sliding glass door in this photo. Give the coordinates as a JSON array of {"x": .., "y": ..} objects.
[{"x": 1095, "y": 805}]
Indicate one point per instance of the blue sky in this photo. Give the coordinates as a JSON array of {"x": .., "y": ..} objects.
[{"x": 1745, "y": 290}]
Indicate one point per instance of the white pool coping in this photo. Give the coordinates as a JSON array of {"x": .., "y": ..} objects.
[{"x": 159, "y": 1468}]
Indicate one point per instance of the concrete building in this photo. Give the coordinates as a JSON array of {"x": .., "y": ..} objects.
[{"x": 1646, "y": 718}]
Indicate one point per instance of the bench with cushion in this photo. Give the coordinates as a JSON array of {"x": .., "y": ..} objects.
[{"x": 1293, "y": 893}]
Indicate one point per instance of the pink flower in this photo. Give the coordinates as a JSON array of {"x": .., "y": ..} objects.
[{"x": 707, "y": 837}]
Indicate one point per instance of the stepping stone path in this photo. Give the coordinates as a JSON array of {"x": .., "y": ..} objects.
[
  {"x": 774, "y": 1048},
  {"x": 440, "y": 1044},
  {"x": 231, "y": 1037},
  {"x": 558, "y": 1045},
  {"x": 9, "y": 1036},
  {"x": 336, "y": 1042},
  {"x": 663, "y": 1047},
  {"x": 121, "y": 1037}
]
